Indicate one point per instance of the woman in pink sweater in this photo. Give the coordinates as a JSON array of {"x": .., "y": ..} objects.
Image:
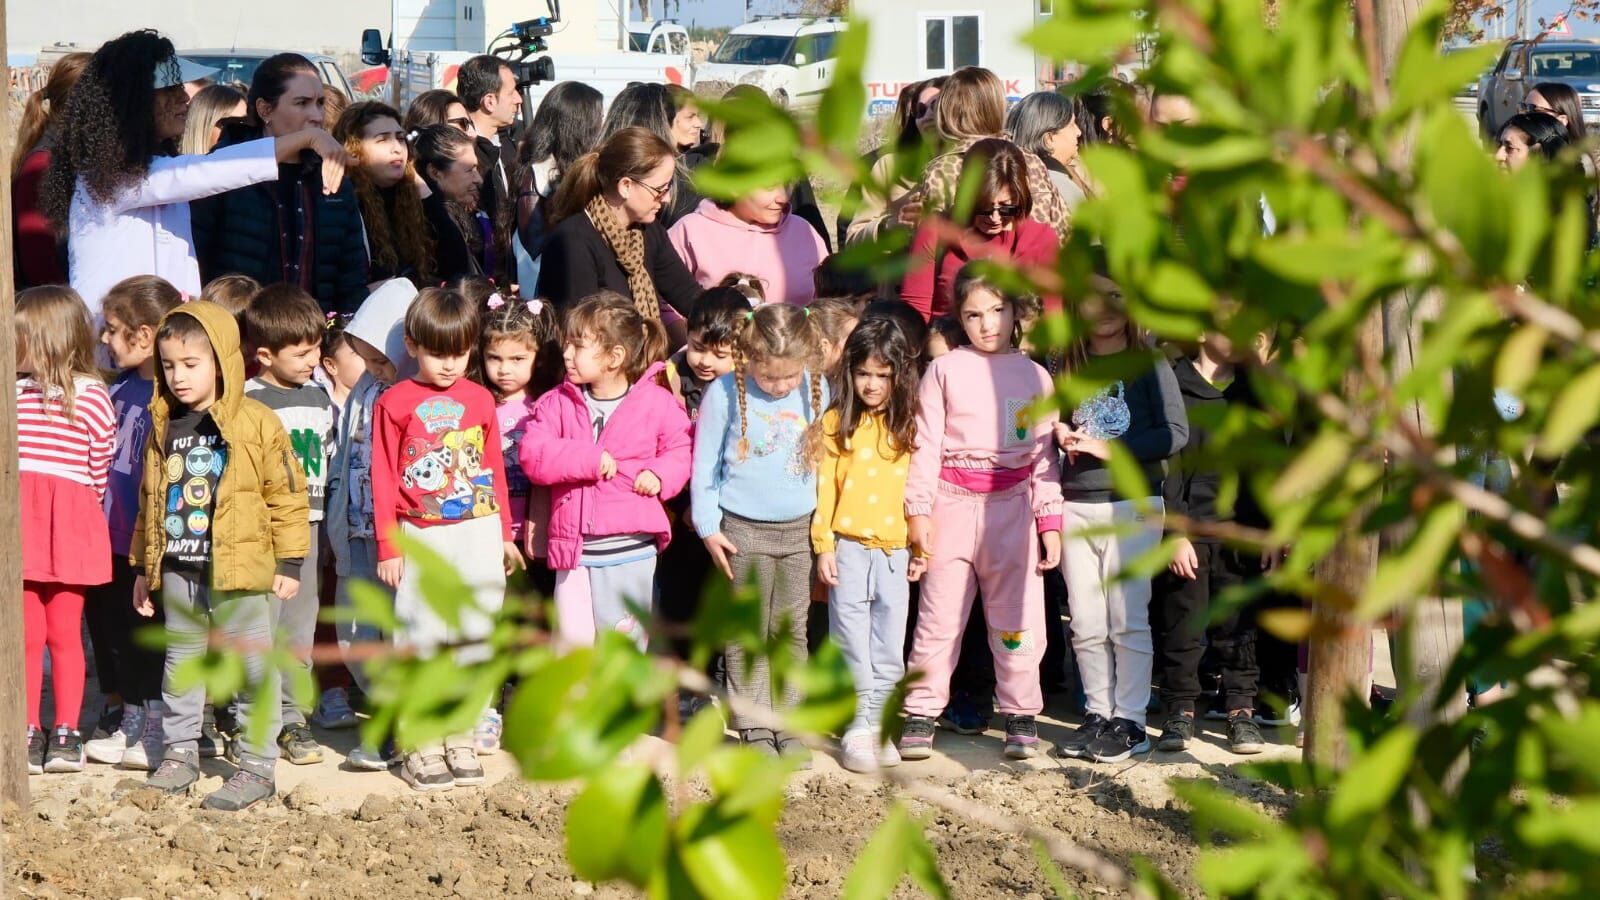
[
  {"x": 613, "y": 444},
  {"x": 757, "y": 235},
  {"x": 1000, "y": 229}
]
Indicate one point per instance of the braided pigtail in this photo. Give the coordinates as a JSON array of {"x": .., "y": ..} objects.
[{"x": 738, "y": 383}]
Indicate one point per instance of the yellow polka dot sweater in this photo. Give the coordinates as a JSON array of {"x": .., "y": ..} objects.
[{"x": 861, "y": 488}]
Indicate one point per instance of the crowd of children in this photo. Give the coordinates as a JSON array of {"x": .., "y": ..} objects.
[{"x": 253, "y": 459}]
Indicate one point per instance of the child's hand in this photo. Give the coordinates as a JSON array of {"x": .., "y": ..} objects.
[
  {"x": 1095, "y": 447},
  {"x": 513, "y": 557},
  {"x": 284, "y": 587},
  {"x": 1185, "y": 564},
  {"x": 141, "y": 598},
  {"x": 608, "y": 466},
  {"x": 647, "y": 484},
  {"x": 1064, "y": 435},
  {"x": 915, "y": 570},
  {"x": 527, "y": 540},
  {"x": 919, "y": 532},
  {"x": 389, "y": 572},
  {"x": 722, "y": 551},
  {"x": 828, "y": 568},
  {"x": 1052, "y": 551}
]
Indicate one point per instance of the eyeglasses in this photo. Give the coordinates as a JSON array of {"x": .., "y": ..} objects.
[
  {"x": 656, "y": 192},
  {"x": 463, "y": 123},
  {"x": 1006, "y": 212}
]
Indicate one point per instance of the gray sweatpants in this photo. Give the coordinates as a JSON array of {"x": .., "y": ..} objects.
[
  {"x": 475, "y": 547},
  {"x": 867, "y": 612},
  {"x": 363, "y": 566},
  {"x": 779, "y": 553},
  {"x": 243, "y": 620},
  {"x": 594, "y": 598},
  {"x": 294, "y": 623}
]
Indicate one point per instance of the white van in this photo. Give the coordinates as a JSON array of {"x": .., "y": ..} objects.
[{"x": 789, "y": 58}]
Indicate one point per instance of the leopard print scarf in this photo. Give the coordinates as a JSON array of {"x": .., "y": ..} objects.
[{"x": 628, "y": 245}]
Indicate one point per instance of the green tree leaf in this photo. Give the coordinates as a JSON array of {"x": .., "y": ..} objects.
[
  {"x": 896, "y": 849},
  {"x": 617, "y": 826},
  {"x": 1575, "y": 411},
  {"x": 1367, "y": 785},
  {"x": 730, "y": 857},
  {"x": 839, "y": 111}
]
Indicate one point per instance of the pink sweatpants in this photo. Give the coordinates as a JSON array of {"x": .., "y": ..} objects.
[{"x": 984, "y": 542}]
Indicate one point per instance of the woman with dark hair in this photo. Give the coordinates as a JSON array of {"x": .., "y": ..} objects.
[
  {"x": 566, "y": 127},
  {"x": 1562, "y": 101},
  {"x": 688, "y": 126},
  {"x": 293, "y": 232},
  {"x": 399, "y": 240},
  {"x": 438, "y": 107},
  {"x": 1097, "y": 113},
  {"x": 972, "y": 108},
  {"x": 463, "y": 236},
  {"x": 913, "y": 117},
  {"x": 41, "y": 255},
  {"x": 1000, "y": 229},
  {"x": 1526, "y": 135},
  {"x": 649, "y": 106},
  {"x": 607, "y": 233},
  {"x": 1045, "y": 124},
  {"x": 116, "y": 190}
]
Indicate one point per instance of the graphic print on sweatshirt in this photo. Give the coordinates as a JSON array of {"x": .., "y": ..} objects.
[
  {"x": 1105, "y": 415},
  {"x": 446, "y": 469},
  {"x": 194, "y": 462},
  {"x": 513, "y": 425},
  {"x": 783, "y": 430}
]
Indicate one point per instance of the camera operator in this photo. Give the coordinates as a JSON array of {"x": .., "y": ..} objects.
[{"x": 488, "y": 89}]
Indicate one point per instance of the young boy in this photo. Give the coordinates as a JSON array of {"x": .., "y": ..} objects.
[
  {"x": 222, "y": 525},
  {"x": 283, "y": 331},
  {"x": 717, "y": 317}
]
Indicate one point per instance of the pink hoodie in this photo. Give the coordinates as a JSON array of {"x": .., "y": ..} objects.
[
  {"x": 648, "y": 431},
  {"x": 713, "y": 242}
]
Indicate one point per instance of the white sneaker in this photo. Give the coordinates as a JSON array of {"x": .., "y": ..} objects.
[
  {"x": 146, "y": 753},
  {"x": 1291, "y": 716},
  {"x": 486, "y": 737},
  {"x": 888, "y": 755},
  {"x": 858, "y": 755},
  {"x": 109, "y": 749}
]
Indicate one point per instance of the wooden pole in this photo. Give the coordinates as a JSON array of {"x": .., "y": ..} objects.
[{"x": 13, "y": 683}]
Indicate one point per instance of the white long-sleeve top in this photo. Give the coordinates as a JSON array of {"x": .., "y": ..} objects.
[{"x": 146, "y": 230}]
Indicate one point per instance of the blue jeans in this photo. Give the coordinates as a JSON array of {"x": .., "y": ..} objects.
[{"x": 867, "y": 617}]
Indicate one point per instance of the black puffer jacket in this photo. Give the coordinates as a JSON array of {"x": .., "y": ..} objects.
[{"x": 241, "y": 231}]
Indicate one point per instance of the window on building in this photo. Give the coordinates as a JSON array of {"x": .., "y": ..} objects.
[{"x": 951, "y": 41}]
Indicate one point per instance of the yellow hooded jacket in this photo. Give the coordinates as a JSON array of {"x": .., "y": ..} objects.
[{"x": 261, "y": 524}]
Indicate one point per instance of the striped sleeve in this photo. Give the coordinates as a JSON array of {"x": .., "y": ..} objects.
[
  {"x": 79, "y": 450},
  {"x": 98, "y": 417}
]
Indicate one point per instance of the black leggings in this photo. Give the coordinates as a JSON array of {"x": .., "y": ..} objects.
[{"x": 125, "y": 666}]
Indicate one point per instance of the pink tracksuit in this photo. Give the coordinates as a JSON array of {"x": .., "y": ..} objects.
[{"x": 987, "y": 471}]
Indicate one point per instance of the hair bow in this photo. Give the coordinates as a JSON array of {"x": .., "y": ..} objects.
[
  {"x": 536, "y": 306},
  {"x": 495, "y": 301},
  {"x": 183, "y": 296}
]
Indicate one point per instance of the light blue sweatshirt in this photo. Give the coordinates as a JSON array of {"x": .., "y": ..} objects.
[{"x": 773, "y": 482}]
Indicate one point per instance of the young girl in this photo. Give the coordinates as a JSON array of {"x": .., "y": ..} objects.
[
  {"x": 753, "y": 491},
  {"x": 65, "y": 437},
  {"x": 984, "y": 480},
  {"x": 341, "y": 366},
  {"x": 836, "y": 317},
  {"x": 612, "y": 443},
  {"x": 132, "y": 672},
  {"x": 1111, "y": 614},
  {"x": 859, "y": 529}
]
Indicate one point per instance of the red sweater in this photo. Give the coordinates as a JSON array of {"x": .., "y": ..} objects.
[
  {"x": 436, "y": 459},
  {"x": 930, "y": 288},
  {"x": 39, "y": 256}
]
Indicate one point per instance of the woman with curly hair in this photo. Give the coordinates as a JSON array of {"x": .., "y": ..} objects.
[
  {"x": 386, "y": 184},
  {"x": 114, "y": 185},
  {"x": 299, "y": 231}
]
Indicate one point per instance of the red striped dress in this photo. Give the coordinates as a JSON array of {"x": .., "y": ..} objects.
[{"x": 63, "y": 468}]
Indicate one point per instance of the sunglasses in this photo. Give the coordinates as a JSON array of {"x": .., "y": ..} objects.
[
  {"x": 463, "y": 123},
  {"x": 657, "y": 192},
  {"x": 1006, "y": 212},
  {"x": 1530, "y": 108}
]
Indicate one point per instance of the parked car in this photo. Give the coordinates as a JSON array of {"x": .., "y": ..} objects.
[
  {"x": 1502, "y": 90},
  {"x": 789, "y": 58},
  {"x": 240, "y": 65}
]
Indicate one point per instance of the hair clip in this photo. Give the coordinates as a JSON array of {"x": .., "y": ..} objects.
[
  {"x": 536, "y": 306},
  {"x": 331, "y": 320},
  {"x": 495, "y": 301},
  {"x": 749, "y": 315},
  {"x": 806, "y": 310},
  {"x": 413, "y": 134}
]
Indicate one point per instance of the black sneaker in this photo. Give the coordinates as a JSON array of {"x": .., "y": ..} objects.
[
  {"x": 36, "y": 744},
  {"x": 916, "y": 738},
  {"x": 298, "y": 746},
  {"x": 1244, "y": 735},
  {"x": 1176, "y": 733},
  {"x": 1121, "y": 739},
  {"x": 65, "y": 753},
  {"x": 1077, "y": 745},
  {"x": 1022, "y": 737}
]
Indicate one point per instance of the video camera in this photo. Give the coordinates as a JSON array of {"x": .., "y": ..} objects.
[{"x": 526, "y": 39}]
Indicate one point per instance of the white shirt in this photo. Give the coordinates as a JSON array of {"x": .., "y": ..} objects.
[{"x": 146, "y": 231}]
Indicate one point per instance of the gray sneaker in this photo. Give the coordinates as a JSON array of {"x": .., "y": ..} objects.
[
  {"x": 175, "y": 775},
  {"x": 366, "y": 759},
  {"x": 464, "y": 765},
  {"x": 244, "y": 790},
  {"x": 793, "y": 749},
  {"x": 144, "y": 754},
  {"x": 760, "y": 740}
]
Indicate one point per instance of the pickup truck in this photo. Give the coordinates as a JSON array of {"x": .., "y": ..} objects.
[{"x": 1526, "y": 63}]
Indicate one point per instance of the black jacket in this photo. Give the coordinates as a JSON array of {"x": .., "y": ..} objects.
[
  {"x": 241, "y": 231},
  {"x": 577, "y": 261},
  {"x": 497, "y": 198},
  {"x": 1192, "y": 485},
  {"x": 452, "y": 256}
]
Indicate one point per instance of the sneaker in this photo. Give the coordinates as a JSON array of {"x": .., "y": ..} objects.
[
  {"x": 464, "y": 766},
  {"x": 111, "y": 719},
  {"x": 916, "y": 739},
  {"x": 1176, "y": 733},
  {"x": 1120, "y": 740},
  {"x": 1076, "y": 746},
  {"x": 963, "y": 716},
  {"x": 176, "y": 773},
  {"x": 427, "y": 772},
  {"x": 791, "y": 748},
  {"x": 36, "y": 744},
  {"x": 857, "y": 753},
  {"x": 108, "y": 750},
  {"x": 888, "y": 755},
  {"x": 1022, "y": 737},
  {"x": 213, "y": 740},
  {"x": 65, "y": 752},
  {"x": 144, "y": 754},
  {"x": 1273, "y": 719},
  {"x": 298, "y": 746},
  {"x": 1244, "y": 735},
  {"x": 333, "y": 710},
  {"x": 486, "y": 737},
  {"x": 1300, "y": 738},
  {"x": 761, "y": 740},
  {"x": 366, "y": 759},
  {"x": 244, "y": 790}
]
